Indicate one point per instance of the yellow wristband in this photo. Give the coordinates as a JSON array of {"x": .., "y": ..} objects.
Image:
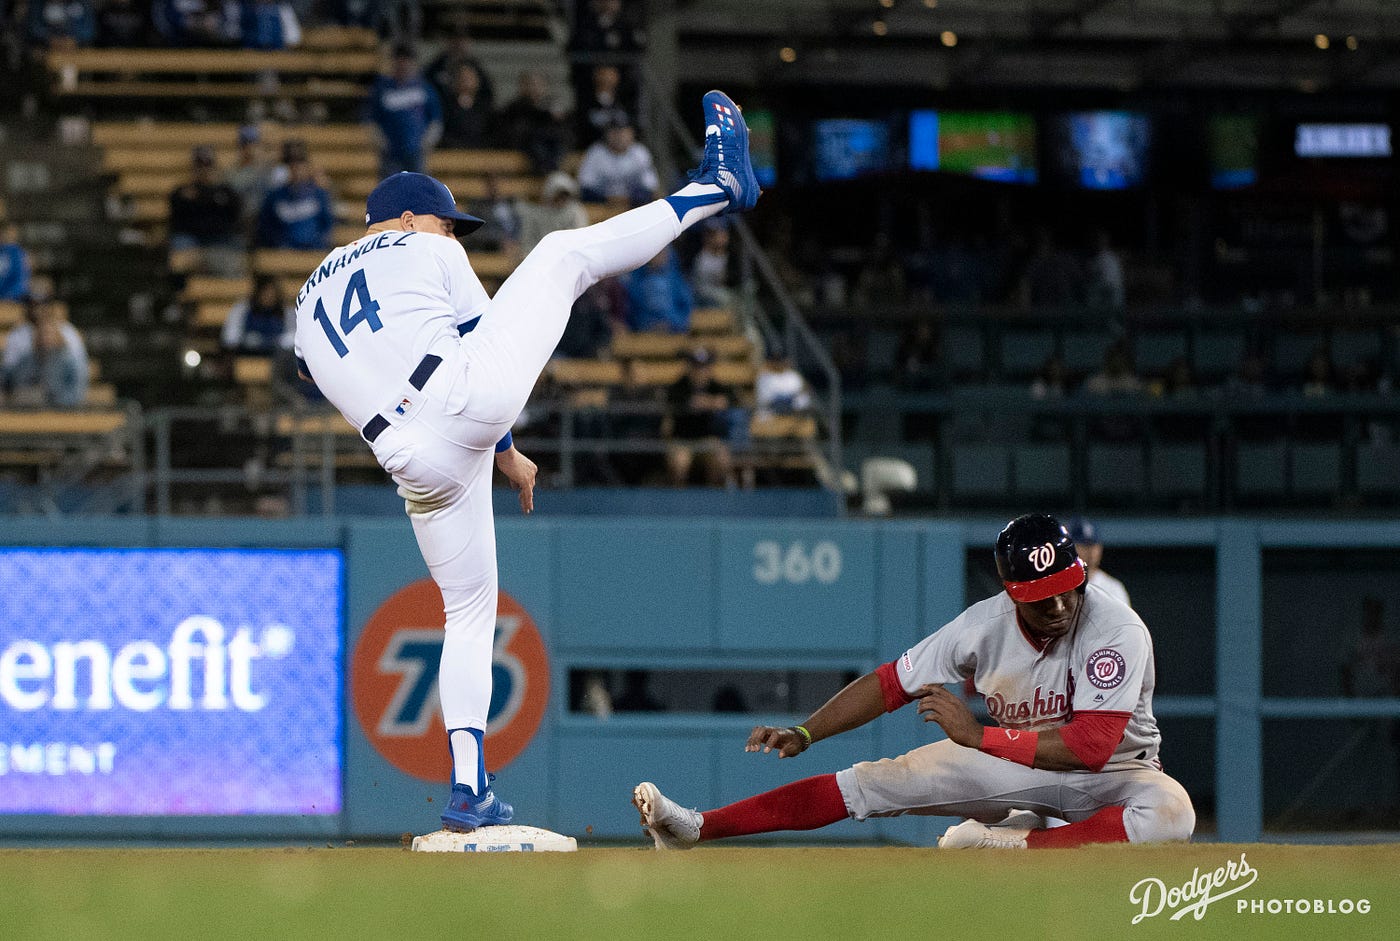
[{"x": 805, "y": 734}]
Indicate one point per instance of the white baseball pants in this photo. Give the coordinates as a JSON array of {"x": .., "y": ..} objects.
[{"x": 946, "y": 779}]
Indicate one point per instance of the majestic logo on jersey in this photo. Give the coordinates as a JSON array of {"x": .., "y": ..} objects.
[
  {"x": 1042, "y": 557},
  {"x": 1045, "y": 704},
  {"x": 394, "y": 683},
  {"x": 1106, "y": 668}
]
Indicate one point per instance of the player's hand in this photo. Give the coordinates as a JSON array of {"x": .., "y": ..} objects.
[
  {"x": 936, "y": 704},
  {"x": 520, "y": 471},
  {"x": 788, "y": 742}
]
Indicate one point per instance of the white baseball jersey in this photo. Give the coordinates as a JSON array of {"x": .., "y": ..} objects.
[
  {"x": 1104, "y": 664},
  {"x": 372, "y": 309},
  {"x": 1108, "y": 583}
]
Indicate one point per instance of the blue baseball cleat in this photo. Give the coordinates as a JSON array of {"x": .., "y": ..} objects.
[
  {"x": 466, "y": 812},
  {"x": 726, "y": 162}
]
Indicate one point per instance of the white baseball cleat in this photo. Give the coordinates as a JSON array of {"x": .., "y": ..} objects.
[
  {"x": 973, "y": 835},
  {"x": 670, "y": 825}
]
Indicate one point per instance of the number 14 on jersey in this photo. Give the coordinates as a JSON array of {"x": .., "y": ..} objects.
[{"x": 367, "y": 311}]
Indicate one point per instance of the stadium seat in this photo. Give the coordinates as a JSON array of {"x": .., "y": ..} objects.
[
  {"x": 1178, "y": 470},
  {"x": 708, "y": 320},
  {"x": 1315, "y": 468},
  {"x": 1154, "y": 350},
  {"x": 649, "y": 345},
  {"x": 1043, "y": 471},
  {"x": 1378, "y": 469},
  {"x": 1292, "y": 349},
  {"x": 1216, "y": 353},
  {"x": 1024, "y": 352},
  {"x": 1356, "y": 345},
  {"x": 981, "y": 470},
  {"x": 1082, "y": 350},
  {"x": 648, "y": 373},
  {"x": 963, "y": 354},
  {"x": 1116, "y": 470},
  {"x": 1260, "y": 468}
]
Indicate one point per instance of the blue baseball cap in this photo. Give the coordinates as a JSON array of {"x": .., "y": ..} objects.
[
  {"x": 1083, "y": 532},
  {"x": 416, "y": 193}
]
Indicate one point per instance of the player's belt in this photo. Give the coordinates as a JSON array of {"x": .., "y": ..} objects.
[{"x": 426, "y": 366}]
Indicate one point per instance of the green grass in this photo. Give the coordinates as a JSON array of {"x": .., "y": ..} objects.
[{"x": 713, "y": 892}]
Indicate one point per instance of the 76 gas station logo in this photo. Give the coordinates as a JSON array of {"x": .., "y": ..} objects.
[{"x": 394, "y": 682}]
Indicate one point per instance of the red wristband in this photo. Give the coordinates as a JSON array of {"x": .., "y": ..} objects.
[{"x": 1011, "y": 744}]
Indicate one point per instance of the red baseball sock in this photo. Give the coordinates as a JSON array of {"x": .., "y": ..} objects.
[
  {"x": 802, "y": 805},
  {"x": 1106, "y": 826}
]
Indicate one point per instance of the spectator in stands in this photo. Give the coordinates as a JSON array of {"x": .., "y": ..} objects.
[
  {"x": 197, "y": 22},
  {"x": 1116, "y": 376},
  {"x": 533, "y": 124},
  {"x": 406, "y": 114},
  {"x": 557, "y": 208},
  {"x": 658, "y": 297},
  {"x": 709, "y": 272},
  {"x": 1051, "y": 278},
  {"x": 262, "y": 323},
  {"x": 1052, "y": 382},
  {"x": 589, "y": 332},
  {"x": 1249, "y": 379},
  {"x": 618, "y": 168},
  {"x": 598, "y": 102},
  {"x": 1115, "y": 379},
  {"x": 1320, "y": 376},
  {"x": 361, "y": 13},
  {"x": 253, "y": 177},
  {"x": 445, "y": 71},
  {"x": 849, "y": 353},
  {"x": 500, "y": 214},
  {"x": 299, "y": 213},
  {"x": 701, "y": 412},
  {"x": 780, "y": 388},
  {"x": 881, "y": 278},
  {"x": 45, "y": 359},
  {"x": 122, "y": 24},
  {"x": 636, "y": 694},
  {"x": 62, "y": 24},
  {"x": 607, "y": 26},
  {"x": 1103, "y": 289},
  {"x": 919, "y": 357},
  {"x": 1179, "y": 381},
  {"x": 205, "y": 213},
  {"x": 270, "y": 24},
  {"x": 14, "y": 264},
  {"x": 466, "y": 111}
]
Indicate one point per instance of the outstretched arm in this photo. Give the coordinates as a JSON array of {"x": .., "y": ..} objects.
[{"x": 851, "y": 708}]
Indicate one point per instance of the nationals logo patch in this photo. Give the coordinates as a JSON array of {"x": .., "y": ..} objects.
[{"x": 1106, "y": 668}]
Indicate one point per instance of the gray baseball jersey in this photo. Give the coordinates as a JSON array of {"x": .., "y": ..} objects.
[{"x": 1104, "y": 664}]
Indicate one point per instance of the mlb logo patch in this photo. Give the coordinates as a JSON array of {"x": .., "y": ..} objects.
[{"x": 404, "y": 405}]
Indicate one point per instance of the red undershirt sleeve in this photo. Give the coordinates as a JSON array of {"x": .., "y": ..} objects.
[
  {"x": 891, "y": 688},
  {"x": 1093, "y": 736}
]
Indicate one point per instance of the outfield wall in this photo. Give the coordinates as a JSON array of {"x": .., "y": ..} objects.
[{"x": 239, "y": 690}]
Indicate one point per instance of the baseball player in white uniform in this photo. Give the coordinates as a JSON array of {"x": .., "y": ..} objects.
[
  {"x": 1086, "y": 539},
  {"x": 1067, "y": 672},
  {"x": 384, "y": 327}
]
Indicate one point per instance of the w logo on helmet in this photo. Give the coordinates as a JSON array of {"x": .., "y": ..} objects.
[{"x": 1042, "y": 557}]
